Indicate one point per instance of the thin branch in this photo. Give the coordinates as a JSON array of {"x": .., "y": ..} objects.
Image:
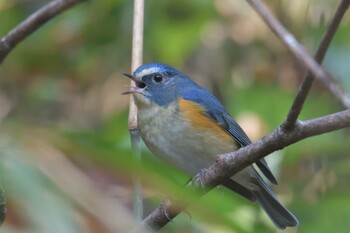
[
  {"x": 137, "y": 52},
  {"x": 320, "y": 54},
  {"x": 299, "y": 52},
  {"x": 32, "y": 23},
  {"x": 229, "y": 164}
]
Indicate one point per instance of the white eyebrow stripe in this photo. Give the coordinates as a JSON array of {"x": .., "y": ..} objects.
[{"x": 147, "y": 72}]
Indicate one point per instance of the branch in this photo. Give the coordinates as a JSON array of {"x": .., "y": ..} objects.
[
  {"x": 320, "y": 54},
  {"x": 299, "y": 51},
  {"x": 229, "y": 164},
  {"x": 32, "y": 23}
]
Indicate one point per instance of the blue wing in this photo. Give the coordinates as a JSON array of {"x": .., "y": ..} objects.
[{"x": 217, "y": 112}]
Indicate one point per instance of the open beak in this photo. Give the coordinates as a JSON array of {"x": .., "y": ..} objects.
[{"x": 139, "y": 84}]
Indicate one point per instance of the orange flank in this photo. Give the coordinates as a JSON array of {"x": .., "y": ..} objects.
[{"x": 196, "y": 115}]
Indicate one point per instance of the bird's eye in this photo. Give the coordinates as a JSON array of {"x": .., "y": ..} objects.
[{"x": 158, "y": 78}]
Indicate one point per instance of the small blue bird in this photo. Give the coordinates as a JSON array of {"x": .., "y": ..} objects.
[{"x": 184, "y": 124}]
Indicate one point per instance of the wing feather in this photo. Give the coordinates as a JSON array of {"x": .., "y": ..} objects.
[{"x": 216, "y": 111}]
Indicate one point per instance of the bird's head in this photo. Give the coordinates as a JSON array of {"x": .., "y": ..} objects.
[{"x": 157, "y": 83}]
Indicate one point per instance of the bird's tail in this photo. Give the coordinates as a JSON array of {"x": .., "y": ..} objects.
[{"x": 278, "y": 214}]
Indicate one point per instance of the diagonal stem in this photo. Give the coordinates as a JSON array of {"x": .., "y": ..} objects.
[
  {"x": 299, "y": 52},
  {"x": 305, "y": 86},
  {"x": 32, "y": 23}
]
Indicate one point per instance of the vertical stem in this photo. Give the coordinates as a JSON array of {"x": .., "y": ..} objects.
[
  {"x": 137, "y": 50},
  {"x": 137, "y": 188}
]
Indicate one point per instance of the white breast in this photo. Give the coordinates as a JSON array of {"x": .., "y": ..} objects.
[{"x": 175, "y": 140}]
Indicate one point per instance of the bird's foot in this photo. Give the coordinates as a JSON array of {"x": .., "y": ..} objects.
[
  {"x": 198, "y": 179},
  {"x": 164, "y": 206}
]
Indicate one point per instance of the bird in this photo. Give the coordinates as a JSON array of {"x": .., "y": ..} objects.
[{"x": 186, "y": 126}]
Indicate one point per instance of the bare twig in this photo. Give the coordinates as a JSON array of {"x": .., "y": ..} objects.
[
  {"x": 299, "y": 52},
  {"x": 229, "y": 164},
  {"x": 320, "y": 54},
  {"x": 137, "y": 51},
  {"x": 33, "y": 22}
]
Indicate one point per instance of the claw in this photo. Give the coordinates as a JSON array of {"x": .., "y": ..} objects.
[
  {"x": 164, "y": 211},
  {"x": 198, "y": 179}
]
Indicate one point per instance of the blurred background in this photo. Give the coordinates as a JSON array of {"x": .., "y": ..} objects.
[{"x": 65, "y": 157}]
